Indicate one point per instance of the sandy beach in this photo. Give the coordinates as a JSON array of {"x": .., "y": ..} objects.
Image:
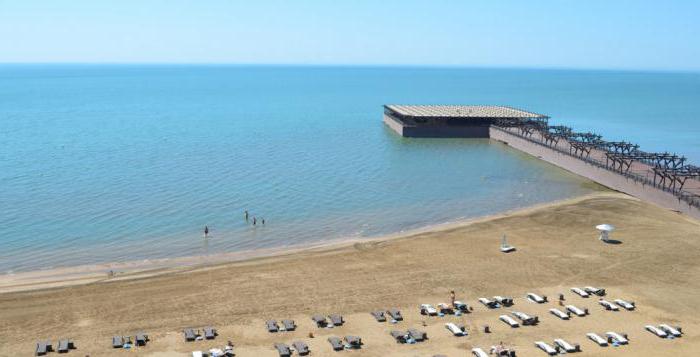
[{"x": 656, "y": 266}]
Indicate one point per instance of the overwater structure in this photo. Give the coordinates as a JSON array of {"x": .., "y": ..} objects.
[{"x": 665, "y": 179}]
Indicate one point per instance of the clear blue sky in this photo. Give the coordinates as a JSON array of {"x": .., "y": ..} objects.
[{"x": 617, "y": 34}]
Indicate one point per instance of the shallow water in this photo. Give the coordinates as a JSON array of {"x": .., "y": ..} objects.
[{"x": 114, "y": 163}]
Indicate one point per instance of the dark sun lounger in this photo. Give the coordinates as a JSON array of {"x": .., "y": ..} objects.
[
  {"x": 399, "y": 336},
  {"x": 65, "y": 345},
  {"x": 289, "y": 325},
  {"x": 190, "y": 335},
  {"x": 417, "y": 335},
  {"x": 141, "y": 339},
  {"x": 283, "y": 349},
  {"x": 353, "y": 341},
  {"x": 395, "y": 314},
  {"x": 210, "y": 333},
  {"x": 301, "y": 347},
  {"x": 336, "y": 343},
  {"x": 336, "y": 319},
  {"x": 379, "y": 316},
  {"x": 43, "y": 347},
  {"x": 117, "y": 342},
  {"x": 320, "y": 320},
  {"x": 272, "y": 326}
]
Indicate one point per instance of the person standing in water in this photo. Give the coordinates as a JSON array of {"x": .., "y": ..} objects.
[
  {"x": 254, "y": 220},
  {"x": 246, "y": 215},
  {"x": 206, "y": 231},
  {"x": 262, "y": 220}
]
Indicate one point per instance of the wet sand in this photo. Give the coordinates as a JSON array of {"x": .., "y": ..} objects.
[{"x": 656, "y": 266}]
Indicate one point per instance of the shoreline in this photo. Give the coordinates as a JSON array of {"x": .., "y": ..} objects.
[{"x": 129, "y": 270}]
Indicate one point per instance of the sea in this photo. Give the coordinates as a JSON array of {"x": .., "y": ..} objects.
[{"x": 119, "y": 163}]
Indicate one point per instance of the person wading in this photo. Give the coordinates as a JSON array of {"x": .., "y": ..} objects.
[{"x": 206, "y": 232}]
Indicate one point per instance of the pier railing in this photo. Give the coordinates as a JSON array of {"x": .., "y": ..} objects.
[{"x": 690, "y": 198}]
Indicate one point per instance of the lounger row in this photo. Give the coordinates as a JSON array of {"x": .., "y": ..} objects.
[
  {"x": 588, "y": 291},
  {"x": 44, "y": 347},
  {"x": 495, "y": 350},
  {"x": 120, "y": 341},
  {"x": 665, "y": 330},
  {"x": 496, "y": 302},
  {"x": 395, "y": 315},
  {"x": 559, "y": 346},
  {"x": 408, "y": 336},
  {"x": 335, "y": 320},
  {"x": 287, "y": 325},
  {"x": 284, "y": 350},
  {"x": 445, "y": 309},
  {"x": 192, "y": 335},
  {"x": 612, "y": 338},
  {"x": 616, "y": 305},
  {"x": 350, "y": 342},
  {"x": 525, "y": 319}
]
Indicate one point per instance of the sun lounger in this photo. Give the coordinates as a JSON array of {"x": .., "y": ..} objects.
[
  {"x": 504, "y": 301},
  {"x": 272, "y": 326},
  {"x": 456, "y": 330},
  {"x": 580, "y": 292},
  {"x": 197, "y": 354},
  {"x": 427, "y": 309},
  {"x": 445, "y": 309},
  {"x": 461, "y": 306},
  {"x": 597, "y": 339},
  {"x": 190, "y": 335},
  {"x": 117, "y": 341},
  {"x": 616, "y": 337},
  {"x": 673, "y": 331},
  {"x": 65, "y": 345},
  {"x": 43, "y": 347},
  {"x": 575, "y": 310},
  {"x": 395, "y": 314},
  {"x": 608, "y": 305},
  {"x": 629, "y": 306},
  {"x": 566, "y": 346},
  {"x": 336, "y": 343},
  {"x": 509, "y": 320},
  {"x": 594, "y": 291},
  {"x": 656, "y": 331},
  {"x": 491, "y": 304},
  {"x": 353, "y": 341},
  {"x": 283, "y": 349},
  {"x": 301, "y": 347},
  {"x": 141, "y": 339},
  {"x": 526, "y": 319},
  {"x": 320, "y": 320},
  {"x": 419, "y": 336},
  {"x": 336, "y": 319},
  {"x": 536, "y": 298},
  {"x": 546, "y": 348},
  {"x": 210, "y": 333},
  {"x": 379, "y": 316},
  {"x": 399, "y": 336},
  {"x": 560, "y": 314},
  {"x": 478, "y": 352},
  {"x": 289, "y": 325}
]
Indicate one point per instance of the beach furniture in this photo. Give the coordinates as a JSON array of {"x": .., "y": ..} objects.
[
  {"x": 536, "y": 298},
  {"x": 289, "y": 325},
  {"x": 336, "y": 343},
  {"x": 117, "y": 341},
  {"x": 673, "y": 331},
  {"x": 656, "y": 331},
  {"x": 569, "y": 348},
  {"x": 320, "y": 320},
  {"x": 505, "y": 247},
  {"x": 417, "y": 335},
  {"x": 197, "y": 354},
  {"x": 594, "y": 291},
  {"x": 504, "y": 301},
  {"x": 283, "y": 349},
  {"x": 608, "y": 305},
  {"x": 272, "y": 326},
  {"x": 379, "y": 316},
  {"x": 43, "y": 347},
  {"x": 544, "y": 346},
  {"x": 301, "y": 347},
  {"x": 336, "y": 319},
  {"x": 597, "y": 339},
  {"x": 445, "y": 309},
  {"x": 616, "y": 337},
  {"x": 526, "y": 319},
  {"x": 560, "y": 314},
  {"x": 190, "y": 335},
  {"x": 478, "y": 352},
  {"x": 629, "y": 306},
  {"x": 509, "y": 321},
  {"x": 491, "y": 304},
  {"x": 395, "y": 314},
  {"x": 141, "y": 339},
  {"x": 353, "y": 341},
  {"x": 461, "y": 306},
  {"x": 575, "y": 310},
  {"x": 210, "y": 333},
  {"x": 399, "y": 336},
  {"x": 65, "y": 345},
  {"x": 216, "y": 352},
  {"x": 427, "y": 309},
  {"x": 456, "y": 330},
  {"x": 580, "y": 292}
]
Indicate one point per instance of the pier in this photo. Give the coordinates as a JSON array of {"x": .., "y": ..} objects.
[{"x": 664, "y": 179}]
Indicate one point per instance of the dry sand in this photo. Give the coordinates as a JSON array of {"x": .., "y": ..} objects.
[{"x": 656, "y": 265}]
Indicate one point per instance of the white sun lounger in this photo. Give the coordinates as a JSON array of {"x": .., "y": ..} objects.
[
  {"x": 597, "y": 339},
  {"x": 564, "y": 345},
  {"x": 197, "y": 354},
  {"x": 504, "y": 301},
  {"x": 536, "y": 298},
  {"x": 580, "y": 292},
  {"x": 617, "y": 337},
  {"x": 673, "y": 331},
  {"x": 509, "y": 320},
  {"x": 455, "y": 330},
  {"x": 524, "y": 318},
  {"x": 594, "y": 291},
  {"x": 575, "y": 310},
  {"x": 478, "y": 352},
  {"x": 608, "y": 305},
  {"x": 629, "y": 306},
  {"x": 656, "y": 331},
  {"x": 427, "y": 309},
  {"x": 491, "y": 304},
  {"x": 546, "y": 348},
  {"x": 560, "y": 314}
]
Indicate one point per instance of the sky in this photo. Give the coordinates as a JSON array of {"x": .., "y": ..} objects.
[{"x": 609, "y": 34}]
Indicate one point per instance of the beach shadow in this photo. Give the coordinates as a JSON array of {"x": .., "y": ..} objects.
[{"x": 613, "y": 241}]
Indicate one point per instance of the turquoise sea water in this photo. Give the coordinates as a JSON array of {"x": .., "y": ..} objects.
[{"x": 114, "y": 163}]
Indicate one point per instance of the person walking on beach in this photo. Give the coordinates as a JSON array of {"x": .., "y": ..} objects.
[
  {"x": 452, "y": 297},
  {"x": 206, "y": 232},
  {"x": 246, "y": 215}
]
